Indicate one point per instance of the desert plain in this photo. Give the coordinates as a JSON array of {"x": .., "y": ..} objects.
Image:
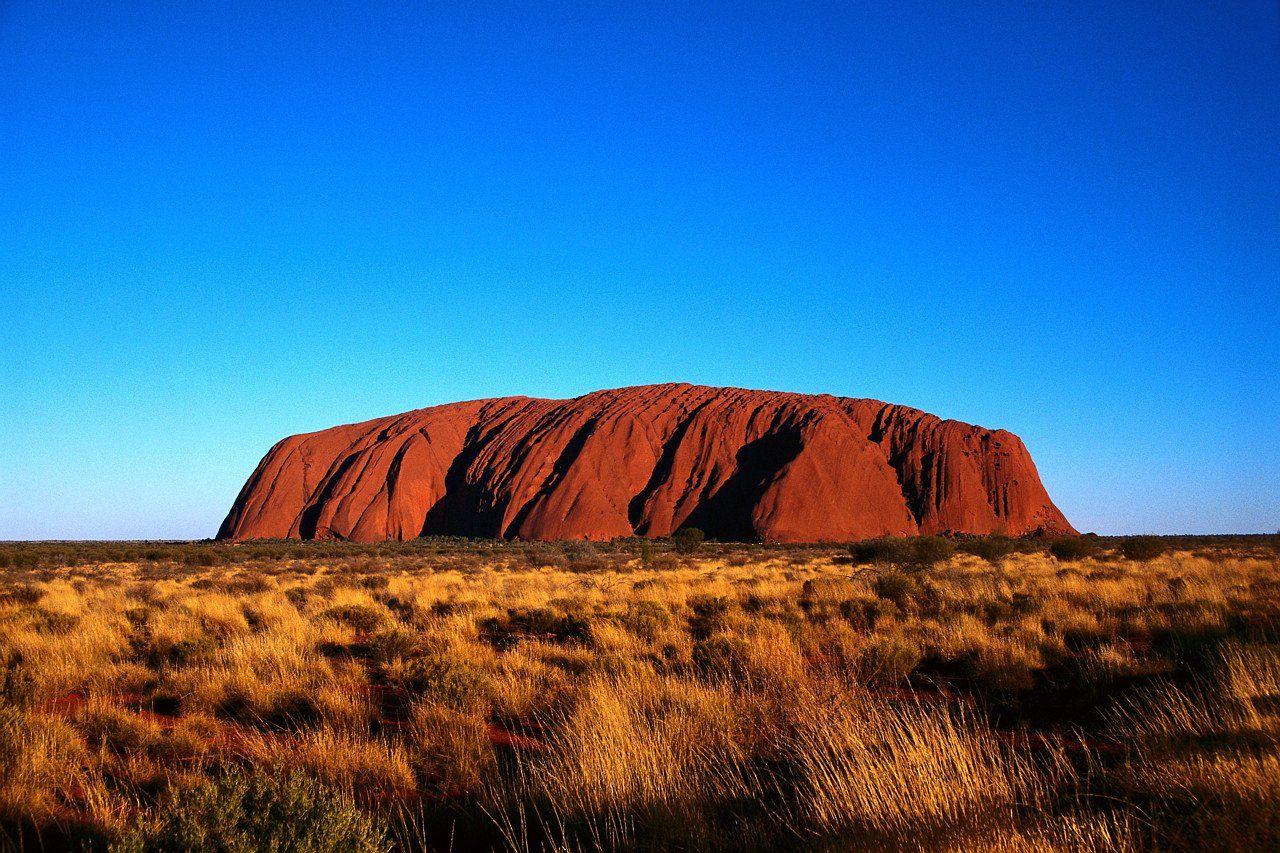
[{"x": 977, "y": 693}]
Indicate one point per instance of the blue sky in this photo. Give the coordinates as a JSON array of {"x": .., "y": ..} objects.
[{"x": 222, "y": 225}]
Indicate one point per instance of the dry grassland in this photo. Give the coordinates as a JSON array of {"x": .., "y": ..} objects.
[{"x": 488, "y": 696}]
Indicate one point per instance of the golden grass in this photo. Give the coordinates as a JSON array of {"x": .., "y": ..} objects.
[
  {"x": 907, "y": 768},
  {"x": 745, "y": 698}
]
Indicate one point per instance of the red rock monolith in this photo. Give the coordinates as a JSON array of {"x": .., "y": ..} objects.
[{"x": 647, "y": 461}]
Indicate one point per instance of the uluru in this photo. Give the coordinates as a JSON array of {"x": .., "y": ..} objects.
[{"x": 648, "y": 461}]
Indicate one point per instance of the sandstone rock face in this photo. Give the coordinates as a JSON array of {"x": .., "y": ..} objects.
[{"x": 647, "y": 461}]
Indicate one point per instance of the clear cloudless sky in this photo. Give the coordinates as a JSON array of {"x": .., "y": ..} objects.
[{"x": 222, "y": 223}]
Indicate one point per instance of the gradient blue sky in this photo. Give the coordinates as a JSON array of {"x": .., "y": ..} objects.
[{"x": 222, "y": 225}]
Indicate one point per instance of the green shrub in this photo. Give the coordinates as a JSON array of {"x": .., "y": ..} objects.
[
  {"x": 21, "y": 594},
  {"x": 878, "y": 551},
  {"x": 720, "y": 656},
  {"x": 200, "y": 557},
  {"x": 928, "y": 551},
  {"x": 710, "y": 614},
  {"x": 664, "y": 562},
  {"x": 583, "y": 557},
  {"x": 646, "y": 619},
  {"x": 889, "y": 659},
  {"x": 895, "y": 587},
  {"x": 394, "y": 643},
  {"x": 1142, "y": 548},
  {"x": 917, "y": 553},
  {"x": 535, "y": 623},
  {"x": 865, "y": 615},
  {"x": 545, "y": 557},
  {"x": 1071, "y": 548},
  {"x": 293, "y": 710},
  {"x": 687, "y": 540},
  {"x": 241, "y": 813},
  {"x": 993, "y": 549},
  {"x": 362, "y": 617},
  {"x": 53, "y": 622},
  {"x": 450, "y": 681}
]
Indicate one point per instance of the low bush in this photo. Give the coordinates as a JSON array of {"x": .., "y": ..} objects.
[
  {"x": 687, "y": 540},
  {"x": 583, "y": 557},
  {"x": 928, "y": 551},
  {"x": 1142, "y": 548},
  {"x": 710, "y": 614},
  {"x": 889, "y": 659},
  {"x": 22, "y": 593},
  {"x": 390, "y": 644},
  {"x": 535, "y": 623},
  {"x": 878, "y": 551},
  {"x": 239, "y": 813},
  {"x": 720, "y": 656},
  {"x": 646, "y": 619},
  {"x": 993, "y": 549},
  {"x": 919, "y": 552},
  {"x": 895, "y": 587},
  {"x": 450, "y": 681},
  {"x": 545, "y": 557},
  {"x": 362, "y": 617},
  {"x": 1070, "y": 548}
]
